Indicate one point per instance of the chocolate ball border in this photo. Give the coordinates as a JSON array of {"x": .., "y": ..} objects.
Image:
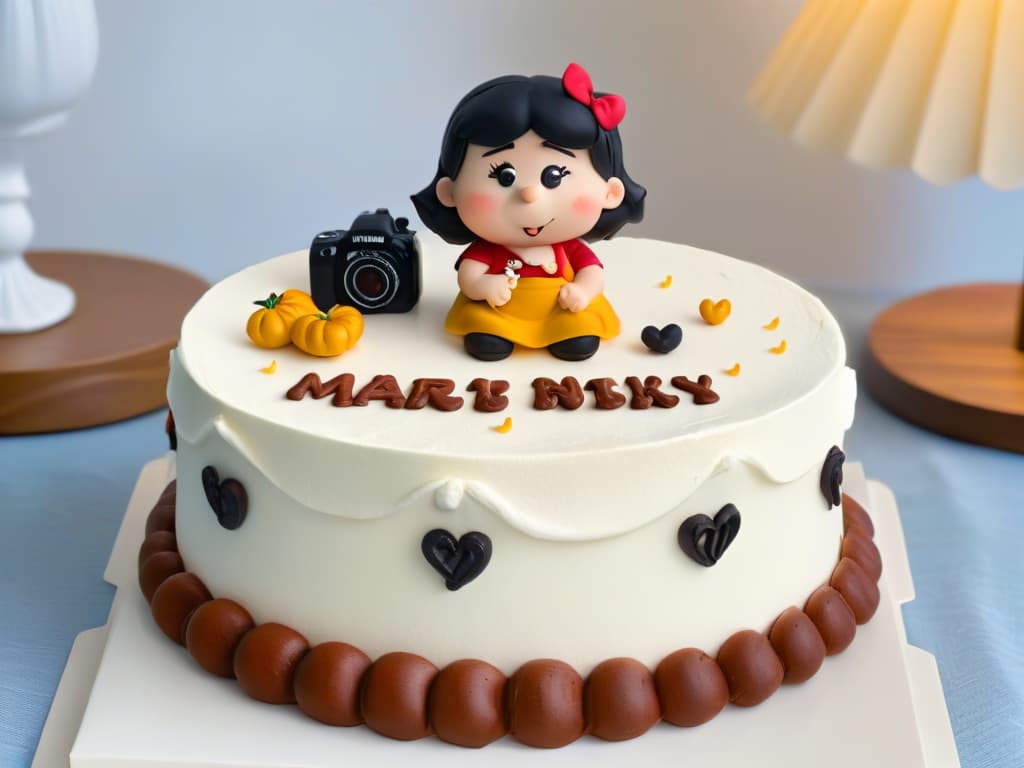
[{"x": 545, "y": 703}]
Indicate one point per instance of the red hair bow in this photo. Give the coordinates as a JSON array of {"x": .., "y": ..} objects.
[{"x": 608, "y": 110}]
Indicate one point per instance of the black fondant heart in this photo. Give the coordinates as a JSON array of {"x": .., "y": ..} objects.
[
  {"x": 459, "y": 561},
  {"x": 705, "y": 540},
  {"x": 832, "y": 476},
  {"x": 663, "y": 341},
  {"x": 227, "y": 499}
]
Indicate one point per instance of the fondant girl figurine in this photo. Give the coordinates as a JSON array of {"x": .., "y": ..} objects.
[{"x": 528, "y": 166}]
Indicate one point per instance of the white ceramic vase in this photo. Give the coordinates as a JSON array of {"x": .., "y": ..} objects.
[{"x": 47, "y": 60}]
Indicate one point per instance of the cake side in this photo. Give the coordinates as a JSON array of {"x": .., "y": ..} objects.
[
  {"x": 545, "y": 702},
  {"x": 582, "y": 508},
  {"x": 768, "y": 415}
]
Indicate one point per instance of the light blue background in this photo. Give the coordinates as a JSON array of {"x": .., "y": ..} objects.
[{"x": 219, "y": 134}]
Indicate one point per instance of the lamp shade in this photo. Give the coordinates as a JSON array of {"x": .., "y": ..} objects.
[{"x": 932, "y": 85}]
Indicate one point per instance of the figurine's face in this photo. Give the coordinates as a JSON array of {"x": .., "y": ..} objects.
[{"x": 529, "y": 192}]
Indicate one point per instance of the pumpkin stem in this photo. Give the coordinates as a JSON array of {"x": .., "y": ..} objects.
[
  {"x": 268, "y": 302},
  {"x": 323, "y": 316}
]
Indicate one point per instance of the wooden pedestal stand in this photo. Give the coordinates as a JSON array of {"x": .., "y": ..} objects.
[
  {"x": 949, "y": 361},
  {"x": 108, "y": 361}
]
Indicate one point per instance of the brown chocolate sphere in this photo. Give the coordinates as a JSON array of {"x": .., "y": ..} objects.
[
  {"x": 169, "y": 493},
  {"x": 214, "y": 632},
  {"x": 862, "y": 550},
  {"x": 620, "y": 700},
  {"x": 174, "y": 601},
  {"x": 327, "y": 683},
  {"x": 833, "y": 618},
  {"x": 691, "y": 687},
  {"x": 394, "y": 695},
  {"x": 544, "y": 701},
  {"x": 751, "y": 668},
  {"x": 161, "y": 518},
  {"x": 854, "y": 516},
  {"x": 156, "y": 569},
  {"x": 265, "y": 662},
  {"x": 798, "y": 645},
  {"x": 467, "y": 703},
  {"x": 157, "y": 541},
  {"x": 857, "y": 589}
]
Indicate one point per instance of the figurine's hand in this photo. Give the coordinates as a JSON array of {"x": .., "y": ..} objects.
[
  {"x": 498, "y": 290},
  {"x": 574, "y": 298}
]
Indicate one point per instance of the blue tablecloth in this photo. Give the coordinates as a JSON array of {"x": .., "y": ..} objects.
[{"x": 962, "y": 506}]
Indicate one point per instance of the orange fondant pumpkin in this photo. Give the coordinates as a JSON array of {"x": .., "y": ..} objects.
[
  {"x": 270, "y": 326},
  {"x": 330, "y": 334}
]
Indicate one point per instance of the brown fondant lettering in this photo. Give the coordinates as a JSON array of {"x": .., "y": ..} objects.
[
  {"x": 700, "y": 389},
  {"x": 548, "y": 394},
  {"x": 647, "y": 394},
  {"x": 339, "y": 386},
  {"x": 490, "y": 395},
  {"x": 382, "y": 387},
  {"x": 437, "y": 392},
  {"x": 608, "y": 399}
]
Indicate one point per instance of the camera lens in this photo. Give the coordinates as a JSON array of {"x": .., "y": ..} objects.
[
  {"x": 370, "y": 282},
  {"x": 370, "y": 279}
]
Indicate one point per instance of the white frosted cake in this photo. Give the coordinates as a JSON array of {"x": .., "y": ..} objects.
[{"x": 592, "y": 546}]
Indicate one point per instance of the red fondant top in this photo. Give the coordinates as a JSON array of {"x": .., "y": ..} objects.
[{"x": 574, "y": 253}]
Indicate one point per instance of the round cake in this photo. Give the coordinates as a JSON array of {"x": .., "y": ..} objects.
[{"x": 407, "y": 497}]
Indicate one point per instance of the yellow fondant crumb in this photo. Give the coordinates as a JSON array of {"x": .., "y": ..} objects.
[
  {"x": 781, "y": 349},
  {"x": 772, "y": 325},
  {"x": 734, "y": 371},
  {"x": 715, "y": 312},
  {"x": 666, "y": 283},
  {"x": 272, "y": 368},
  {"x": 506, "y": 426}
]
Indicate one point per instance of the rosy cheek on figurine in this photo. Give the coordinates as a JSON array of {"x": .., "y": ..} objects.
[{"x": 529, "y": 168}]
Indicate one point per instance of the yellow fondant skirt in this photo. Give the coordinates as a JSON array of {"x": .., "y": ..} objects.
[{"x": 533, "y": 317}]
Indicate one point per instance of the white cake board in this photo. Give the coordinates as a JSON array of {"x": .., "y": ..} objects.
[{"x": 149, "y": 704}]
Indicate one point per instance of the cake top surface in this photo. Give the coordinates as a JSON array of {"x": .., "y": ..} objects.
[{"x": 219, "y": 357}]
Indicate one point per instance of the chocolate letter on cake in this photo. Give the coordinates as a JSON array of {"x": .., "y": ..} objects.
[
  {"x": 647, "y": 394},
  {"x": 548, "y": 394},
  {"x": 437, "y": 392},
  {"x": 340, "y": 386},
  {"x": 382, "y": 387},
  {"x": 701, "y": 389},
  {"x": 490, "y": 395},
  {"x": 608, "y": 398}
]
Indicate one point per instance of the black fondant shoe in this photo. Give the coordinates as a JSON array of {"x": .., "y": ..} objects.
[
  {"x": 576, "y": 348},
  {"x": 488, "y": 347}
]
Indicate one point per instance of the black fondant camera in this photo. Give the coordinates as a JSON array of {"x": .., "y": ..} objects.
[{"x": 374, "y": 266}]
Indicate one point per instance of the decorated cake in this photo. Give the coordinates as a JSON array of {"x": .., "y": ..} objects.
[{"x": 481, "y": 518}]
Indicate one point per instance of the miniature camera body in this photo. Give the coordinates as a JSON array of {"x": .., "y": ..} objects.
[{"x": 373, "y": 266}]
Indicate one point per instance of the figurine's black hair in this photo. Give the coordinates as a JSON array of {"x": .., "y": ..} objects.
[{"x": 500, "y": 111}]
